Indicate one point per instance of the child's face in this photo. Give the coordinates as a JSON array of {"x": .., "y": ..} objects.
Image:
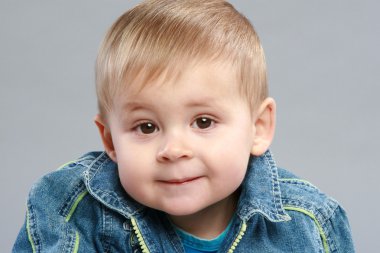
[{"x": 183, "y": 146}]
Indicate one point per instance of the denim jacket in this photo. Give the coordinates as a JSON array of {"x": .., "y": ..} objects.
[{"x": 82, "y": 207}]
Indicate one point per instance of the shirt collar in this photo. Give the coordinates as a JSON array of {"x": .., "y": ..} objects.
[{"x": 260, "y": 190}]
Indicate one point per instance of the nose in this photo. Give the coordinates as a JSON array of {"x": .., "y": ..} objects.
[{"x": 173, "y": 149}]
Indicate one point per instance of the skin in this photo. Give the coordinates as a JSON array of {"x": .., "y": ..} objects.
[{"x": 182, "y": 146}]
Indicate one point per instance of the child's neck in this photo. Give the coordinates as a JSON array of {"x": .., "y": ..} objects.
[{"x": 209, "y": 222}]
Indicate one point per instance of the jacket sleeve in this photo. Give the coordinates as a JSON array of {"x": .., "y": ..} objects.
[
  {"x": 29, "y": 238},
  {"x": 338, "y": 233},
  {"x": 22, "y": 243},
  {"x": 45, "y": 228}
]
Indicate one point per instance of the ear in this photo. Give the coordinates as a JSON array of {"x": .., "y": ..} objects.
[
  {"x": 264, "y": 127},
  {"x": 106, "y": 137}
]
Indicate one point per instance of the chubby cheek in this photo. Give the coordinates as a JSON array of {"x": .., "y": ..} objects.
[
  {"x": 231, "y": 174},
  {"x": 231, "y": 167},
  {"x": 134, "y": 174}
]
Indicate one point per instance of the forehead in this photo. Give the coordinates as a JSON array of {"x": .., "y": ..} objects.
[
  {"x": 197, "y": 82},
  {"x": 204, "y": 75}
]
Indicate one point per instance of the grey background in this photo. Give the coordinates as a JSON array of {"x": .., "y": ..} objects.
[{"x": 323, "y": 62}]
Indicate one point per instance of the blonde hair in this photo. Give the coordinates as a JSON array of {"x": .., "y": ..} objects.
[{"x": 164, "y": 36}]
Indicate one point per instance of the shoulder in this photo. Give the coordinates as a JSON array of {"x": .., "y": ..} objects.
[
  {"x": 60, "y": 182},
  {"x": 50, "y": 223},
  {"x": 52, "y": 200},
  {"x": 56, "y": 192},
  {"x": 302, "y": 200},
  {"x": 297, "y": 193}
]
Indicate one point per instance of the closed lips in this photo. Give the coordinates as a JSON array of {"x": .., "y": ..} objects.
[{"x": 179, "y": 181}]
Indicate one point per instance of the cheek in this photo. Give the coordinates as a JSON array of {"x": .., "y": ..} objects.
[
  {"x": 234, "y": 169},
  {"x": 135, "y": 182},
  {"x": 232, "y": 158},
  {"x": 230, "y": 166},
  {"x": 134, "y": 171},
  {"x": 233, "y": 148},
  {"x": 128, "y": 177},
  {"x": 133, "y": 160}
]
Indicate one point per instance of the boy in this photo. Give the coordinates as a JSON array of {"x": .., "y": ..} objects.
[{"x": 186, "y": 124}]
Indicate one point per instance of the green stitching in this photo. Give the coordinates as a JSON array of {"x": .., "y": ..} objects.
[
  {"x": 63, "y": 165},
  {"x": 76, "y": 245},
  {"x": 80, "y": 197},
  {"x": 321, "y": 232},
  {"x": 28, "y": 231}
]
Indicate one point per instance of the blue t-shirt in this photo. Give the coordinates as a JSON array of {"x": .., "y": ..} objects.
[{"x": 193, "y": 244}]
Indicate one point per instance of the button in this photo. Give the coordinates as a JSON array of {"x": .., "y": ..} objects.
[{"x": 126, "y": 225}]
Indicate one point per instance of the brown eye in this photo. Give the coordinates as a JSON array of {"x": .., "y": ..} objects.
[
  {"x": 147, "y": 128},
  {"x": 203, "y": 123}
]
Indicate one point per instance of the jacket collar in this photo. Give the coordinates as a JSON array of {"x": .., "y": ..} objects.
[
  {"x": 260, "y": 190},
  {"x": 103, "y": 183}
]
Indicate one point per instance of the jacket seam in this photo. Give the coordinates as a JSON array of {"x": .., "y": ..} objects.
[
  {"x": 276, "y": 189},
  {"x": 297, "y": 181},
  {"x": 327, "y": 228},
  {"x": 318, "y": 224},
  {"x": 276, "y": 192},
  {"x": 72, "y": 200},
  {"x": 76, "y": 243},
  {"x": 28, "y": 230},
  {"x": 91, "y": 171},
  {"x": 66, "y": 164},
  {"x": 36, "y": 240},
  {"x": 106, "y": 229},
  {"x": 78, "y": 161},
  {"x": 75, "y": 205}
]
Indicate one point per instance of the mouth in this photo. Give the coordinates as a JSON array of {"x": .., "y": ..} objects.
[{"x": 179, "y": 181}]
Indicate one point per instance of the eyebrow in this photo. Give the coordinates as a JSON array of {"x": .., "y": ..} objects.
[
  {"x": 203, "y": 102},
  {"x": 135, "y": 106}
]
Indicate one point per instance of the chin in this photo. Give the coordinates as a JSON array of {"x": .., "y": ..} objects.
[{"x": 182, "y": 210}]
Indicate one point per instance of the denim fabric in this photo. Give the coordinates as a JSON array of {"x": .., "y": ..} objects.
[{"x": 83, "y": 208}]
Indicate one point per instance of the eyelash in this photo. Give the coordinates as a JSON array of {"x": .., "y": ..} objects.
[
  {"x": 210, "y": 120},
  {"x": 139, "y": 126},
  {"x": 152, "y": 128}
]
